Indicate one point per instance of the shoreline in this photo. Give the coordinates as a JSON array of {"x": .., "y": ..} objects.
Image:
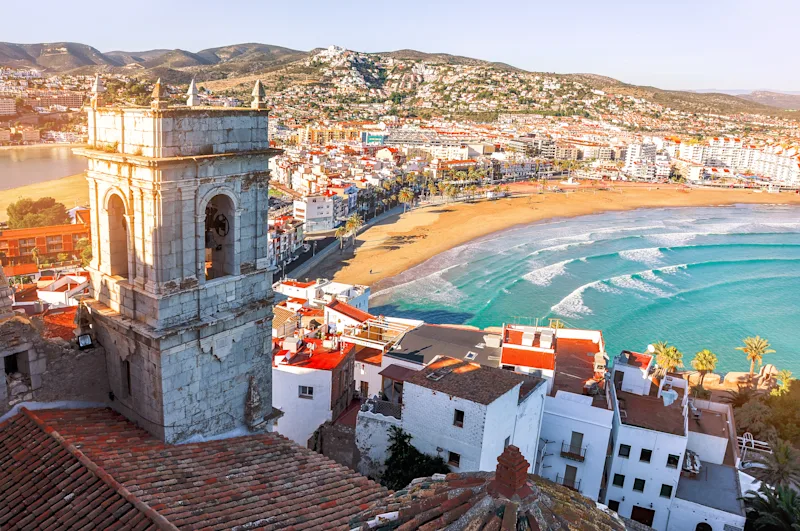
[
  {"x": 32, "y": 147},
  {"x": 392, "y": 248},
  {"x": 71, "y": 190}
]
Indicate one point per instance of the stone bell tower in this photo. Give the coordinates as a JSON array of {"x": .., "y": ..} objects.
[{"x": 181, "y": 294}]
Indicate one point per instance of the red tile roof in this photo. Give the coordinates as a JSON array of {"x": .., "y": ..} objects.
[
  {"x": 472, "y": 381},
  {"x": 48, "y": 483},
  {"x": 506, "y": 499},
  {"x": 60, "y": 323},
  {"x": 258, "y": 481},
  {"x": 350, "y": 311}
]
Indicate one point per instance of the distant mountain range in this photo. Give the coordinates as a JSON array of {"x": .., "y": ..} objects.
[{"x": 249, "y": 60}]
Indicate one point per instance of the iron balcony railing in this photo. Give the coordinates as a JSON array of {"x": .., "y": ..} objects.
[
  {"x": 575, "y": 453},
  {"x": 574, "y": 484}
]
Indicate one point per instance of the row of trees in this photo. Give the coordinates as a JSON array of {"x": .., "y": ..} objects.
[
  {"x": 350, "y": 229},
  {"x": 755, "y": 348},
  {"x": 772, "y": 417}
]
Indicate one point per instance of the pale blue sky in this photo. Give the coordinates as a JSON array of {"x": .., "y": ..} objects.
[{"x": 697, "y": 44}]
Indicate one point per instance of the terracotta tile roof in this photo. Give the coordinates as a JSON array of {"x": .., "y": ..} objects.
[
  {"x": 259, "y": 481},
  {"x": 507, "y": 499},
  {"x": 350, "y": 311},
  {"x": 471, "y": 381},
  {"x": 60, "y": 323},
  {"x": 47, "y": 483}
]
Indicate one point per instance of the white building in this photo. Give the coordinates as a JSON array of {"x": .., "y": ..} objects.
[
  {"x": 578, "y": 414},
  {"x": 321, "y": 292},
  {"x": 312, "y": 383},
  {"x": 317, "y": 211},
  {"x": 8, "y": 106},
  {"x": 650, "y": 437},
  {"x": 469, "y": 413}
]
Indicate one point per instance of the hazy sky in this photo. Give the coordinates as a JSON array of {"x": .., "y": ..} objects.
[{"x": 698, "y": 44}]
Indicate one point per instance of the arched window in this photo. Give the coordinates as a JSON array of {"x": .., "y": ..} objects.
[
  {"x": 219, "y": 236},
  {"x": 702, "y": 526},
  {"x": 117, "y": 237}
]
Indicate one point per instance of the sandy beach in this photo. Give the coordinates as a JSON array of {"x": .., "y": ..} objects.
[
  {"x": 72, "y": 191},
  {"x": 406, "y": 240}
]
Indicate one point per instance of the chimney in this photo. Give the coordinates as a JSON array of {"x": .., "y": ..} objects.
[{"x": 511, "y": 476}]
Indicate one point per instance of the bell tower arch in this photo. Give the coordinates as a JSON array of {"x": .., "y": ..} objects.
[{"x": 180, "y": 291}]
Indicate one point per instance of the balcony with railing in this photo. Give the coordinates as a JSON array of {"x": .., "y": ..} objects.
[
  {"x": 573, "y": 453},
  {"x": 570, "y": 483},
  {"x": 382, "y": 407}
]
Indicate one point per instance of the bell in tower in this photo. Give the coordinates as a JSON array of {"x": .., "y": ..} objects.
[{"x": 180, "y": 291}]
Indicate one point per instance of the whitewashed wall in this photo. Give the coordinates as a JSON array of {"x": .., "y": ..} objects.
[
  {"x": 428, "y": 417},
  {"x": 561, "y": 418},
  {"x": 302, "y": 416},
  {"x": 685, "y": 515},
  {"x": 655, "y": 473}
]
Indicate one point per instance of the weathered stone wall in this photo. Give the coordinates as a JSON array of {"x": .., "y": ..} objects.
[
  {"x": 49, "y": 370},
  {"x": 182, "y": 345},
  {"x": 178, "y": 132},
  {"x": 372, "y": 442},
  {"x": 337, "y": 442},
  {"x": 167, "y": 226}
]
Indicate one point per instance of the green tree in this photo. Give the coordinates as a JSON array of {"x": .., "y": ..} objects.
[
  {"x": 754, "y": 417},
  {"x": 406, "y": 197},
  {"x": 785, "y": 379},
  {"x": 668, "y": 357},
  {"x": 84, "y": 247},
  {"x": 353, "y": 225},
  {"x": 341, "y": 233},
  {"x": 35, "y": 255},
  {"x": 755, "y": 348},
  {"x": 772, "y": 509},
  {"x": 781, "y": 467},
  {"x": 405, "y": 463},
  {"x": 26, "y": 213},
  {"x": 704, "y": 362}
]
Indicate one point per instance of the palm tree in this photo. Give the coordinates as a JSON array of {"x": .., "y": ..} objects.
[
  {"x": 781, "y": 467},
  {"x": 755, "y": 348},
  {"x": 353, "y": 225},
  {"x": 406, "y": 197},
  {"x": 704, "y": 362},
  {"x": 35, "y": 255},
  {"x": 341, "y": 234},
  {"x": 738, "y": 399},
  {"x": 773, "y": 509},
  {"x": 785, "y": 379},
  {"x": 432, "y": 190},
  {"x": 668, "y": 356}
]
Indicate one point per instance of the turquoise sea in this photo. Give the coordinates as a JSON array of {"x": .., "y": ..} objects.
[{"x": 694, "y": 277}]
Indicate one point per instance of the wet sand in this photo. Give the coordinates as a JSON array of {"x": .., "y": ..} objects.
[{"x": 406, "y": 240}]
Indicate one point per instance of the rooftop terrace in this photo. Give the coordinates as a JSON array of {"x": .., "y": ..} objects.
[{"x": 715, "y": 486}]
